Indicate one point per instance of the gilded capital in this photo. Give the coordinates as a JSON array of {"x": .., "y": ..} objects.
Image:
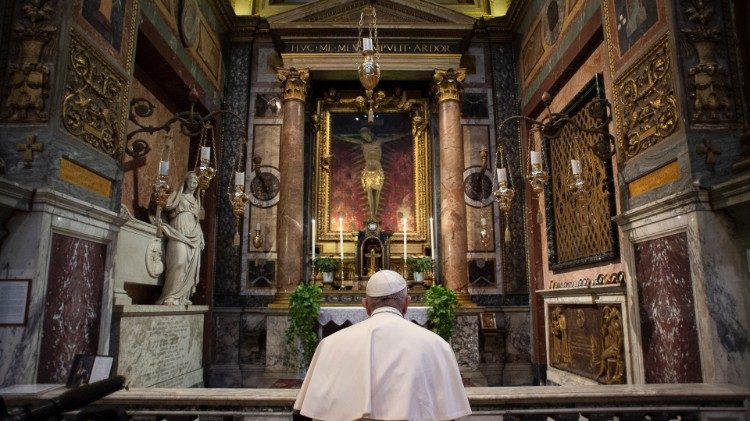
[
  {"x": 294, "y": 83},
  {"x": 447, "y": 84}
]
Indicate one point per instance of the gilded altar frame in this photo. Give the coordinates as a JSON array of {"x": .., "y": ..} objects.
[{"x": 417, "y": 111}]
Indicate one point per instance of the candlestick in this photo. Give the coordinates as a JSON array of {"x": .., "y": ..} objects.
[
  {"x": 404, "y": 222},
  {"x": 536, "y": 158},
  {"x": 432, "y": 239},
  {"x": 502, "y": 175},
  {"x": 575, "y": 165},
  {"x": 341, "y": 239},
  {"x": 163, "y": 167},
  {"x": 205, "y": 153},
  {"x": 312, "y": 253},
  {"x": 239, "y": 179}
]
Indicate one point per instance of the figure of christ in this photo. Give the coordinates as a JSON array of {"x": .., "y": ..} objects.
[
  {"x": 372, "y": 173},
  {"x": 372, "y": 256}
]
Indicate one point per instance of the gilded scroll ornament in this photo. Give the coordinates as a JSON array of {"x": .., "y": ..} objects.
[
  {"x": 294, "y": 83},
  {"x": 447, "y": 84},
  {"x": 710, "y": 80},
  {"x": 645, "y": 102},
  {"x": 95, "y": 96},
  {"x": 28, "y": 77}
]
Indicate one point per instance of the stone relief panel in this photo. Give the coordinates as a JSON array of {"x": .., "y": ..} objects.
[
  {"x": 31, "y": 62},
  {"x": 645, "y": 105},
  {"x": 588, "y": 340},
  {"x": 706, "y": 64},
  {"x": 95, "y": 105},
  {"x": 665, "y": 296}
]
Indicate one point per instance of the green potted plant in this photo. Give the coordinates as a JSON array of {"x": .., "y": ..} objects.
[
  {"x": 419, "y": 265},
  {"x": 442, "y": 307},
  {"x": 301, "y": 334},
  {"x": 327, "y": 266}
]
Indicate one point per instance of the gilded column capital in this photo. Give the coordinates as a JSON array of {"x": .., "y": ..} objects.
[
  {"x": 294, "y": 83},
  {"x": 447, "y": 84}
]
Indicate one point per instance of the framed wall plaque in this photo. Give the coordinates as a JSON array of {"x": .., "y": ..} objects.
[{"x": 14, "y": 301}]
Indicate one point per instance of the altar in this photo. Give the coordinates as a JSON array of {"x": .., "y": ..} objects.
[{"x": 341, "y": 315}]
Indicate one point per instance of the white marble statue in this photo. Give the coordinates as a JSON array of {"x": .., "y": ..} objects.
[{"x": 184, "y": 243}]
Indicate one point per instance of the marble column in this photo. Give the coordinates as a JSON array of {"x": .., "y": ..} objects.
[
  {"x": 289, "y": 241},
  {"x": 453, "y": 243}
]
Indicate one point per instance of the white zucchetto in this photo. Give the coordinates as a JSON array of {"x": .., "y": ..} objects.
[{"x": 385, "y": 282}]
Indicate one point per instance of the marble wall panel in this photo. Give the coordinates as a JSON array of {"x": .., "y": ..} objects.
[
  {"x": 236, "y": 98},
  {"x": 74, "y": 297},
  {"x": 505, "y": 105},
  {"x": 667, "y": 312},
  {"x": 474, "y": 63},
  {"x": 465, "y": 341},
  {"x": 226, "y": 337},
  {"x": 253, "y": 339},
  {"x": 276, "y": 343}
]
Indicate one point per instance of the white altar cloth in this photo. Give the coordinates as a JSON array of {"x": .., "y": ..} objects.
[{"x": 340, "y": 315}]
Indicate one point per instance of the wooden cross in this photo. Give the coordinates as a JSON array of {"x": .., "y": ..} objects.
[
  {"x": 706, "y": 149},
  {"x": 29, "y": 148}
]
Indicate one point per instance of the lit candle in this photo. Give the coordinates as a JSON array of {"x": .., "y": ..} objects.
[
  {"x": 239, "y": 179},
  {"x": 312, "y": 228},
  {"x": 257, "y": 226},
  {"x": 366, "y": 44},
  {"x": 575, "y": 165},
  {"x": 432, "y": 238},
  {"x": 205, "y": 153},
  {"x": 536, "y": 158},
  {"x": 502, "y": 175},
  {"x": 404, "y": 222},
  {"x": 163, "y": 167},
  {"x": 341, "y": 239}
]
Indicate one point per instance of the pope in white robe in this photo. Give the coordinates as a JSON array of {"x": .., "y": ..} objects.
[{"x": 384, "y": 368}]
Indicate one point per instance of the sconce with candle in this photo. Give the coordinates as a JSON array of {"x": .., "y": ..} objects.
[
  {"x": 257, "y": 237},
  {"x": 205, "y": 169},
  {"x": 551, "y": 127},
  {"x": 579, "y": 186},
  {"x": 160, "y": 193}
]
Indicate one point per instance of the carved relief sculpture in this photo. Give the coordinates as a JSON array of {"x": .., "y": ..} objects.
[
  {"x": 95, "y": 99},
  {"x": 27, "y": 86},
  {"x": 611, "y": 364},
  {"x": 185, "y": 242},
  {"x": 645, "y": 102},
  {"x": 559, "y": 341},
  {"x": 709, "y": 84}
]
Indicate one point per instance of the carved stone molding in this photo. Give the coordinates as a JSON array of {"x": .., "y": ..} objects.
[
  {"x": 708, "y": 80},
  {"x": 294, "y": 83},
  {"x": 447, "y": 84},
  {"x": 645, "y": 102},
  {"x": 27, "y": 86},
  {"x": 95, "y": 99}
]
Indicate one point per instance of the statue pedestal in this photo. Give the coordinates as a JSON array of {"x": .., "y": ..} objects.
[{"x": 159, "y": 345}]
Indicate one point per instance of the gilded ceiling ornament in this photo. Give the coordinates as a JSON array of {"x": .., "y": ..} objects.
[
  {"x": 294, "y": 83},
  {"x": 28, "y": 77},
  {"x": 645, "y": 102},
  {"x": 709, "y": 83},
  {"x": 447, "y": 84},
  {"x": 95, "y": 99}
]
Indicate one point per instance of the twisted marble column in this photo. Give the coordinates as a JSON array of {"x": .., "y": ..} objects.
[
  {"x": 453, "y": 240},
  {"x": 289, "y": 217}
]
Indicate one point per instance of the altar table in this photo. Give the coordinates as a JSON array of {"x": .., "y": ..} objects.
[{"x": 341, "y": 315}]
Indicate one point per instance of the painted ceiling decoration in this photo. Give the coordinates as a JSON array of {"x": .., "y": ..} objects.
[{"x": 472, "y": 8}]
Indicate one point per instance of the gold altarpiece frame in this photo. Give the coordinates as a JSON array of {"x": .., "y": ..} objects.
[{"x": 403, "y": 125}]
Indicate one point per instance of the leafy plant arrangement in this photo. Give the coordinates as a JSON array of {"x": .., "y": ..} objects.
[
  {"x": 326, "y": 264},
  {"x": 419, "y": 264},
  {"x": 304, "y": 309},
  {"x": 442, "y": 306}
]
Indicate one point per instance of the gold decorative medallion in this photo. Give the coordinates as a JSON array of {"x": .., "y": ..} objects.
[
  {"x": 95, "y": 99},
  {"x": 447, "y": 84},
  {"x": 645, "y": 103},
  {"x": 294, "y": 83}
]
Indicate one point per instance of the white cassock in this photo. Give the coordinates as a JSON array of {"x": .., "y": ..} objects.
[{"x": 383, "y": 368}]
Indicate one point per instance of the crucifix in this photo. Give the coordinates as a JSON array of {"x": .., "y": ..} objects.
[
  {"x": 29, "y": 148},
  {"x": 371, "y": 256}
]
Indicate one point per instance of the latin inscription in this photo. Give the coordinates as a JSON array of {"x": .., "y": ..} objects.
[
  {"x": 385, "y": 48},
  {"x": 82, "y": 177}
]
